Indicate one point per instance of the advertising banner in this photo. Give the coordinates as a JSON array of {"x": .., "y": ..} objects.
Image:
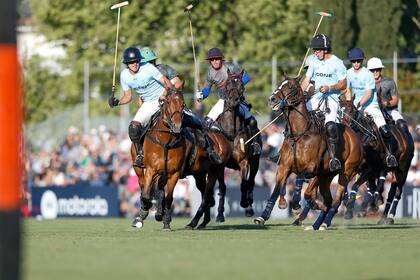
[{"x": 75, "y": 201}]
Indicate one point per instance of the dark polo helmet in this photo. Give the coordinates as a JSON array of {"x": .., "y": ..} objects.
[
  {"x": 320, "y": 41},
  {"x": 355, "y": 54},
  {"x": 131, "y": 54},
  {"x": 214, "y": 53}
]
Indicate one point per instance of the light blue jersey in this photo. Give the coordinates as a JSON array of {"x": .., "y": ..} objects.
[
  {"x": 359, "y": 82},
  {"x": 326, "y": 73},
  {"x": 145, "y": 82}
]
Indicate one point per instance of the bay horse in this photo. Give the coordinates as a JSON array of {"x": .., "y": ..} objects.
[
  {"x": 375, "y": 168},
  {"x": 230, "y": 129},
  {"x": 164, "y": 159},
  {"x": 305, "y": 152}
]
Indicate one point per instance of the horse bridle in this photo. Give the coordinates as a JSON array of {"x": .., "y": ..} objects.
[
  {"x": 286, "y": 106},
  {"x": 168, "y": 120}
]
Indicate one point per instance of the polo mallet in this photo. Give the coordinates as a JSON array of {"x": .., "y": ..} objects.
[
  {"x": 113, "y": 7},
  {"x": 241, "y": 141},
  {"x": 188, "y": 10},
  {"x": 322, "y": 14}
]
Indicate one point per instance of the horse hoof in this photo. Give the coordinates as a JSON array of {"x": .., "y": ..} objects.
[
  {"x": 382, "y": 221},
  {"x": 362, "y": 214},
  {"x": 201, "y": 227},
  {"x": 296, "y": 222},
  {"x": 309, "y": 228},
  {"x": 249, "y": 212},
  {"x": 159, "y": 218},
  {"x": 374, "y": 209},
  {"x": 259, "y": 221},
  {"x": 323, "y": 227},
  {"x": 244, "y": 203},
  {"x": 189, "y": 227},
  {"x": 348, "y": 215},
  {"x": 166, "y": 228},
  {"x": 389, "y": 221},
  {"x": 220, "y": 219},
  {"x": 282, "y": 203}
]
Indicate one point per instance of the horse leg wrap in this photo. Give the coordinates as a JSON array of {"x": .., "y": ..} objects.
[
  {"x": 143, "y": 214},
  {"x": 167, "y": 216},
  {"x": 319, "y": 220},
  {"x": 330, "y": 215}
]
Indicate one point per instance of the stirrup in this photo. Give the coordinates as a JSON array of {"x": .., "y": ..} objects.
[
  {"x": 391, "y": 161},
  {"x": 256, "y": 149},
  {"x": 334, "y": 164},
  {"x": 138, "y": 162}
]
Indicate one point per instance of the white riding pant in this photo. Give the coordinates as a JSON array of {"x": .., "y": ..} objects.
[
  {"x": 375, "y": 112},
  {"x": 395, "y": 114},
  {"x": 146, "y": 111},
  {"x": 317, "y": 102},
  {"x": 217, "y": 110}
]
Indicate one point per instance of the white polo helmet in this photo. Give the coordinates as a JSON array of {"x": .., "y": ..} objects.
[{"x": 374, "y": 63}]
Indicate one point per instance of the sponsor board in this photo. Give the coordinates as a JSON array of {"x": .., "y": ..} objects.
[{"x": 75, "y": 201}]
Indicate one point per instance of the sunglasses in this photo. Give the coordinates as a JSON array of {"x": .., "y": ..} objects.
[
  {"x": 214, "y": 59},
  {"x": 133, "y": 62},
  {"x": 357, "y": 61}
]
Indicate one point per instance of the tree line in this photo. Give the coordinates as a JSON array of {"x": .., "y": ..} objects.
[{"x": 249, "y": 31}]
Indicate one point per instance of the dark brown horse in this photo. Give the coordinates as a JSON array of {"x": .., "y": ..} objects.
[
  {"x": 374, "y": 166},
  {"x": 305, "y": 152},
  {"x": 164, "y": 159},
  {"x": 227, "y": 134}
]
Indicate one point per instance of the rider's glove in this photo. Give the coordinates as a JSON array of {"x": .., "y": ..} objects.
[
  {"x": 112, "y": 101},
  {"x": 199, "y": 95}
]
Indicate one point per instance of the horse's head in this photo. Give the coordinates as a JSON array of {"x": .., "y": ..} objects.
[
  {"x": 171, "y": 109},
  {"x": 234, "y": 89},
  {"x": 288, "y": 94},
  {"x": 349, "y": 111}
]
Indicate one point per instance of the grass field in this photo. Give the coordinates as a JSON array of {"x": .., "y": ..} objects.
[{"x": 109, "y": 249}]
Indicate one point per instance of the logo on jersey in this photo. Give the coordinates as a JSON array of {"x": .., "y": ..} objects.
[{"x": 323, "y": 75}]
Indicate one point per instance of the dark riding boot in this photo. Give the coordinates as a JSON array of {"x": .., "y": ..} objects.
[
  {"x": 391, "y": 161},
  {"x": 253, "y": 127},
  {"x": 135, "y": 130},
  {"x": 275, "y": 158},
  {"x": 208, "y": 122},
  {"x": 213, "y": 156},
  {"x": 403, "y": 125},
  {"x": 332, "y": 138},
  {"x": 191, "y": 121}
]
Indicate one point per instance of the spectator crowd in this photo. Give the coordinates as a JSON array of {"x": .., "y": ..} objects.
[{"x": 102, "y": 159}]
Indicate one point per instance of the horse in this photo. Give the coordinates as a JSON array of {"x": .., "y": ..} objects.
[
  {"x": 164, "y": 159},
  {"x": 374, "y": 167},
  {"x": 305, "y": 152},
  {"x": 230, "y": 128}
]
